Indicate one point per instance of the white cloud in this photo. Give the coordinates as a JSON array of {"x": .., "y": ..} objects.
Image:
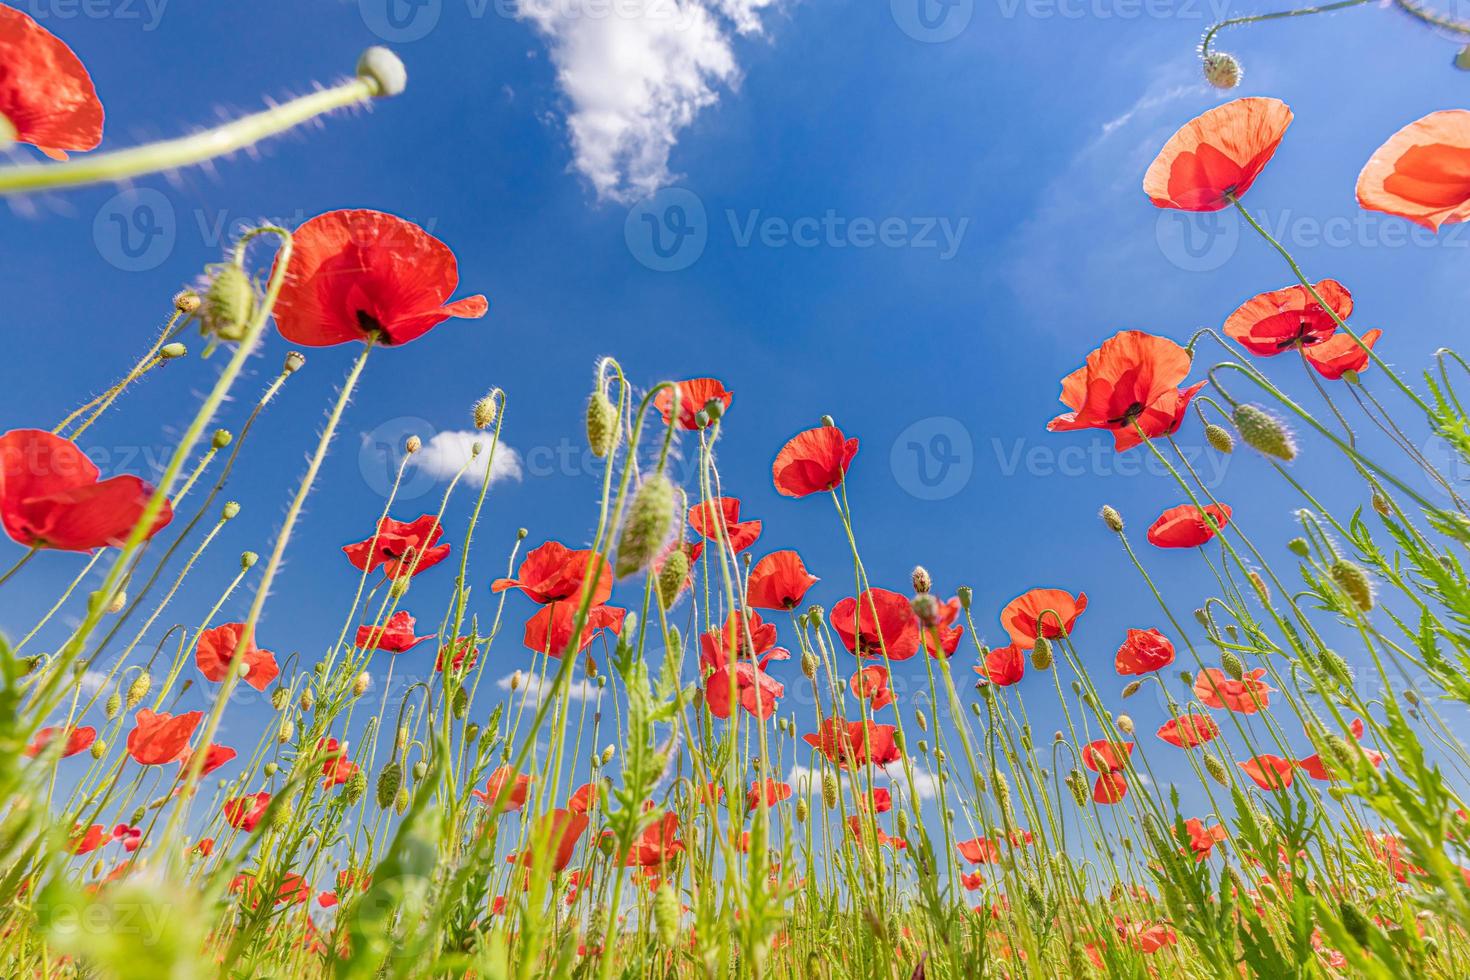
[
  {"x": 92, "y": 681},
  {"x": 578, "y": 690},
  {"x": 636, "y": 73},
  {"x": 446, "y": 454}
]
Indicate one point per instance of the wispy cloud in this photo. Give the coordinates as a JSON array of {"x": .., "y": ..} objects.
[
  {"x": 636, "y": 74},
  {"x": 579, "y": 690},
  {"x": 447, "y": 453}
]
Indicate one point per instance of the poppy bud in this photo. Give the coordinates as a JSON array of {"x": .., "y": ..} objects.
[
  {"x": 1222, "y": 70},
  {"x": 922, "y": 580},
  {"x": 1263, "y": 591},
  {"x": 484, "y": 412},
  {"x": 390, "y": 780},
  {"x": 829, "y": 790},
  {"x": 169, "y": 352},
  {"x": 221, "y": 438},
  {"x": 926, "y": 608},
  {"x": 229, "y": 303},
  {"x": 602, "y": 424},
  {"x": 99, "y": 749},
  {"x": 248, "y": 560},
  {"x": 1077, "y": 783},
  {"x": 923, "y": 747},
  {"x": 672, "y": 575},
  {"x": 666, "y": 914},
  {"x": 186, "y": 301},
  {"x": 113, "y": 706},
  {"x": 307, "y": 699},
  {"x": 279, "y": 697},
  {"x": 229, "y": 511},
  {"x": 355, "y": 788},
  {"x": 1411, "y": 695},
  {"x": 400, "y": 803},
  {"x": 965, "y": 594},
  {"x": 270, "y": 769},
  {"x": 648, "y": 523},
  {"x": 119, "y": 600},
  {"x": 420, "y": 769},
  {"x": 1131, "y": 688},
  {"x": 384, "y": 69},
  {"x": 288, "y": 729},
  {"x": 921, "y": 719},
  {"x": 1112, "y": 518},
  {"x": 1216, "y": 768},
  {"x": 138, "y": 690},
  {"x": 461, "y": 703},
  {"x": 1381, "y": 505},
  {"x": 1219, "y": 438},
  {"x": 1231, "y": 664},
  {"x": 809, "y": 665},
  {"x": 1186, "y": 678},
  {"x": 1041, "y": 655},
  {"x": 471, "y": 733},
  {"x": 1125, "y": 724},
  {"x": 361, "y": 683},
  {"x": 801, "y": 810},
  {"x": 1202, "y": 617},
  {"x": 412, "y": 445},
  {"x": 607, "y": 755},
  {"x": 1354, "y": 581},
  {"x": 295, "y": 361},
  {"x": 901, "y": 823},
  {"x": 1263, "y": 433},
  {"x": 1299, "y": 547}
]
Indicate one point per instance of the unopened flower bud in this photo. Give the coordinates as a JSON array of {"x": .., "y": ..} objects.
[
  {"x": 1112, "y": 518},
  {"x": 1222, "y": 70},
  {"x": 186, "y": 301},
  {"x": 1125, "y": 724},
  {"x": 138, "y": 690},
  {"x": 412, "y": 445},
  {"x": 229, "y": 303},
  {"x": 602, "y": 424},
  {"x": 119, "y": 601},
  {"x": 99, "y": 749},
  {"x": 1041, "y": 654},
  {"x": 361, "y": 683},
  {"x": 1231, "y": 664},
  {"x": 230, "y": 510},
  {"x": 420, "y": 769},
  {"x": 1264, "y": 433},
  {"x": 1263, "y": 591},
  {"x": 270, "y": 769},
  {"x": 1354, "y": 581},
  {"x": 1299, "y": 547},
  {"x": 400, "y": 585},
  {"x": 672, "y": 576},
  {"x": 485, "y": 411},
  {"x": 648, "y": 523},
  {"x": 1216, "y": 768},
  {"x": 829, "y": 790},
  {"x": 922, "y": 580},
  {"x": 173, "y": 351},
  {"x": 248, "y": 560},
  {"x": 221, "y": 438},
  {"x": 1131, "y": 688},
  {"x": 802, "y": 809},
  {"x": 809, "y": 665},
  {"x": 307, "y": 700},
  {"x": 114, "y": 705},
  {"x": 921, "y": 719},
  {"x": 1219, "y": 438},
  {"x": 515, "y": 681},
  {"x": 607, "y": 754},
  {"x": 384, "y": 69}
]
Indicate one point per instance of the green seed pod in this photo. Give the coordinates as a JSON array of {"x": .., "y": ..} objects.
[
  {"x": 801, "y": 810},
  {"x": 461, "y": 704},
  {"x": 666, "y": 914},
  {"x": 1222, "y": 69},
  {"x": 1041, "y": 655},
  {"x": 280, "y": 697},
  {"x": 901, "y": 823},
  {"x": 923, "y": 747},
  {"x": 965, "y": 594},
  {"x": 829, "y": 790},
  {"x": 1231, "y": 664},
  {"x": 390, "y": 781},
  {"x": 1112, "y": 518},
  {"x": 354, "y": 788},
  {"x": 1263, "y": 433},
  {"x": 1353, "y": 580},
  {"x": 809, "y": 665},
  {"x": 113, "y": 706},
  {"x": 138, "y": 690},
  {"x": 99, "y": 749},
  {"x": 400, "y": 802},
  {"x": 1131, "y": 688},
  {"x": 921, "y": 720},
  {"x": 287, "y": 732},
  {"x": 270, "y": 769},
  {"x": 602, "y": 424},
  {"x": 1299, "y": 547},
  {"x": 420, "y": 770},
  {"x": 672, "y": 576},
  {"x": 1216, "y": 768},
  {"x": 308, "y": 700},
  {"x": 648, "y": 523},
  {"x": 229, "y": 304},
  {"x": 1219, "y": 438}
]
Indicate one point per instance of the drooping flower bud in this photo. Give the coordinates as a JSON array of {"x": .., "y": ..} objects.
[
  {"x": 1216, "y": 768},
  {"x": 229, "y": 303},
  {"x": 1125, "y": 724},
  {"x": 485, "y": 412},
  {"x": 361, "y": 683},
  {"x": 1131, "y": 688},
  {"x": 666, "y": 914},
  {"x": 1264, "y": 433},
  {"x": 390, "y": 780},
  {"x": 602, "y": 424},
  {"x": 648, "y": 523},
  {"x": 1231, "y": 664},
  {"x": 1258, "y": 582},
  {"x": 1353, "y": 580},
  {"x": 921, "y": 719},
  {"x": 138, "y": 690},
  {"x": 1041, "y": 655},
  {"x": 1222, "y": 70},
  {"x": 672, "y": 576},
  {"x": 355, "y": 788},
  {"x": 173, "y": 351},
  {"x": 1299, "y": 547},
  {"x": 114, "y": 705},
  {"x": 829, "y": 790},
  {"x": 1219, "y": 438},
  {"x": 607, "y": 754}
]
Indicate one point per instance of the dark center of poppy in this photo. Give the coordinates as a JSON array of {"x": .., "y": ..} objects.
[{"x": 370, "y": 325}]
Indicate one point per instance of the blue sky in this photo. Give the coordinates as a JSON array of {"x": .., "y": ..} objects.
[{"x": 994, "y": 177}]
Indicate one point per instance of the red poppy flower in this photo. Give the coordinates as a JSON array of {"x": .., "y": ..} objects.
[
  {"x": 394, "y": 636},
  {"x": 337, "y": 768},
  {"x": 1109, "y": 788},
  {"x": 1041, "y": 612},
  {"x": 1132, "y": 378},
  {"x": 550, "y": 630},
  {"x": 940, "y": 637},
  {"x": 159, "y": 738},
  {"x": 1143, "y": 652},
  {"x": 52, "y": 495},
  {"x": 972, "y": 882},
  {"x": 1147, "y": 937},
  {"x": 216, "y": 649},
  {"x": 214, "y": 757},
  {"x": 1247, "y": 695},
  {"x": 398, "y": 547},
  {"x": 858, "y": 828},
  {"x": 774, "y": 791},
  {"x": 77, "y": 740},
  {"x": 711, "y": 516},
  {"x": 1289, "y": 319},
  {"x": 1188, "y": 526},
  {"x": 1102, "y": 755},
  {"x": 584, "y": 799},
  {"x": 1312, "y": 765},
  {"x": 814, "y": 461},
  {"x": 1423, "y": 172},
  {"x": 981, "y": 850},
  {"x": 1202, "y": 839},
  {"x": 877, "y": 622},
  {"x": 735, "y": 667},
  {"x": 871, "y": 684},
  {"x": 1389, "y": 851},
  {"x": 205, "y": 847},
  {"x": 658, "y": 844},
  {"x": 45, "y": 93},
  {"x": 507, "y": 788},
  {"x": 360, "y": 275},
  {"x": 463, "y": 647},
  {"x": 1189, "y": 730},
  {"x": 554, "y": 572},
  {"x": 694, "y": 395},
  {"x": 1269, "y": 771},
  {"x": 879, "y": 800},
  {"x": 1220, "y": 152},
  {"x": 1341, "y": 353},
  {"x": 1005, "y": 665},
  {"x": 245, "y": 812},
  {"x": 131, "y": 837},
  {"x": 851, "y": 744},
  {"x": 87, "y": 841},
  {"x": 778, "y": 581}
]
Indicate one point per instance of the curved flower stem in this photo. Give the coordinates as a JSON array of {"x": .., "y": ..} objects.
[
  {"x": 186, "y": 150},
  {"x": 1209, "y": 38},
  {"x": 1432, "y": 18},
  {"x": 20, "y": 564},
  {"x": 145, "y": 364}
]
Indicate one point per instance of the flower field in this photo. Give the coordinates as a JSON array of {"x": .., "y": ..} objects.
[{"x": 714, "y": 758}]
